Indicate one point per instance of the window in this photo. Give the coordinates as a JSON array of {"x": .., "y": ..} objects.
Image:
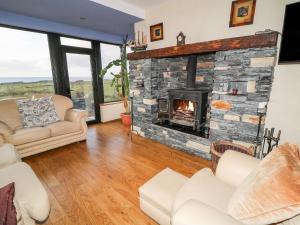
[
  {"x": 25, "y": 68},
  {"x": 109, "y": 53},
  {"x": 75, "y": 42}
]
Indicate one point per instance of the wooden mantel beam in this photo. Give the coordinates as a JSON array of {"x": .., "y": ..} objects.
[{"x": 253, "y": 41}]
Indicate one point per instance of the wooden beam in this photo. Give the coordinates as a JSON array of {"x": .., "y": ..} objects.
[{"x": 253, "y": 41}]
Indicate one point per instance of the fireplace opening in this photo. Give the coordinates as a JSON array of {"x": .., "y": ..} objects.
[{"x": 184, "y": 110}]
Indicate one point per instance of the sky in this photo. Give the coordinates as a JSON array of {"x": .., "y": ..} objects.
[{"x": 26, "y": 54}]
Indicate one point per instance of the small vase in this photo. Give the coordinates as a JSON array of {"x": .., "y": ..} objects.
[{"x": 235, "y": 91}]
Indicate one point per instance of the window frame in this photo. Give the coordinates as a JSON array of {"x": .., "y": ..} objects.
[
  {"x": 120, "y": 46},
  {"x": 97, "y": 55}
]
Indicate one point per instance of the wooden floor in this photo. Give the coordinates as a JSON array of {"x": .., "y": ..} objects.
[{"x": 96, "y": 182}]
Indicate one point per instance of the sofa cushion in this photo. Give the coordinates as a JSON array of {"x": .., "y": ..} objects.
[
  {"x": 27, "y": 135},
  {"x": 270, "y": 194},
  {"x": 62, "y": 104},
  {"x": 8, "y": 214},
  {"x": 206, "y": 188},
  {"x": 63, "y": 127},
  {"x": 162, "y": 188},
  {"x": 9, "y": 107},
  {"x": 30, "y": 194},
  {"x": 37, "y": 112}
]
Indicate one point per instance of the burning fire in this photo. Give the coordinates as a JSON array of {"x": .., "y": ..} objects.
[{"x": 187, "y": 107}]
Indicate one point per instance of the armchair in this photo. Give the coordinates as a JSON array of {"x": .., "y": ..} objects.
[{"x": 202, "y": 199}]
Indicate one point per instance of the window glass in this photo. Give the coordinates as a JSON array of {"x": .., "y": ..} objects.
[
  {"x": 75, "y": 42},
  {"x": 25, "y": 68},
  {"x": 108, "y": 54}
]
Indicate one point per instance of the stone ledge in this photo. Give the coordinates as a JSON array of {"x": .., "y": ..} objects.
[
  {"x": 262, "y": 62},
  {"x": 198, "y": 146},
  {"x": 221, "y": 105},
  {"x": 232, "y": 117},
  {"x": 141, "y": 109},
  {"x": 221, "y": 68},
  {"x": 199, "y": 78},
  {"x": 220, "y": 92},
  {"x": 251, "y": 86},
  {"x": 214, "y": 125},
  {"x": 253, "y": 119},
  {"x": 167, "y": 74},
  {"x": 135, "y": 91},
  {"x": 150, "y": 101},
  {"x": 205, "y": 65}
]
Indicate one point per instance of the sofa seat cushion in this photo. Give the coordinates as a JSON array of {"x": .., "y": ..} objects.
[
  {"x": 63, "y": 127},
  {"x": 157, "y": 195},
  {"x": 206, "y": 188},
  {"x": 30, "y": 194},
  {"x": 28, "y": 135}
]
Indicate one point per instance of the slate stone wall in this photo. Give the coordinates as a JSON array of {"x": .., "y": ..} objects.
[{"x": 229, "y": 117}]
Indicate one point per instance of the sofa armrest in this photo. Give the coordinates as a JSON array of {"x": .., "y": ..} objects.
[
  {"x": 194, "y": 212},
  {"x": 5, "y": 132},
  {"x": 76, "y": 115},
  {"x": 234, "y": 167}
]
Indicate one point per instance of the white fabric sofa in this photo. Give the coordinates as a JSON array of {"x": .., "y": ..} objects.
[
  {"x": 31, "y": 199},
  {"x": 28, "y": 141},
  {"x": 171, "y": 198}
]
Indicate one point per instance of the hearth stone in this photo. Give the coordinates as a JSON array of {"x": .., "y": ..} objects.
[{"x": 229, "y": 117}]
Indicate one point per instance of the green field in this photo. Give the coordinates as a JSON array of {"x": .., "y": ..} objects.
[{"x": 42, "y": 88}]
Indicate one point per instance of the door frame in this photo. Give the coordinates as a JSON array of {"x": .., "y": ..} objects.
[{"x": 96, "y": 81}]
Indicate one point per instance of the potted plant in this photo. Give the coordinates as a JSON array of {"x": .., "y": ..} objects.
[{"x": 120, "y": 81}]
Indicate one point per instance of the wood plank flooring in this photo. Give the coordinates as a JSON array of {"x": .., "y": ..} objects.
[{"x": 96, "y": 182}]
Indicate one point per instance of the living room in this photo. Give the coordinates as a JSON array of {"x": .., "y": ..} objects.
[{"x": 149, "y": 112}]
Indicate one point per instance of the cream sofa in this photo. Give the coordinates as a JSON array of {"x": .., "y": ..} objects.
[
  {"x": 171, "y": 198},
  {"x": 28, "y": 141},
  {"x": 31, "y": 199}
]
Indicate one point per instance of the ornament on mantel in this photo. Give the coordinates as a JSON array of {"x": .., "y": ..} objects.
[
  {"x": 139, "y": 43},
  {"x": 180, "y": 39}
]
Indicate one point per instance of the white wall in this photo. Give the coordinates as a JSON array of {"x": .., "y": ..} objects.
[{"x": 204, "y": 20}]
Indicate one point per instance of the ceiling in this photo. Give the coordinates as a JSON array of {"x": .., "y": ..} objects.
[{"x": 84, "y": 13}]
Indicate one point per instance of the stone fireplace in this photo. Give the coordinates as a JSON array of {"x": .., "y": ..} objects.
[{"x": 188, "y": 101}]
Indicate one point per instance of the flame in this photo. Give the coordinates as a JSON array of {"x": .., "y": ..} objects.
[
  {"x": 191, "y": 106},
  {"x": 187, "y": 107}
]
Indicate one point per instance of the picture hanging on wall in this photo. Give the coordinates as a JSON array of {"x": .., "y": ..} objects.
[
  {"x": 157, "y": 32},
  {"x": 242, "y": 12}
]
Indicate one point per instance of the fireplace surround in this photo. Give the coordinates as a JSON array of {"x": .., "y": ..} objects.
[{"x": 228, "y": 117}]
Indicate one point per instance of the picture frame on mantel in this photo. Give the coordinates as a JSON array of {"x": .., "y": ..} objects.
[
  {"x": 157, "y": 32},
  {"x": 242, "y": 12}
]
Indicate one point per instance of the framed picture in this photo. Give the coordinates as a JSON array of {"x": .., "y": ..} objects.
[
  {"x": 242, "y": 12},
  {"x": 157, "y": 32}
]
